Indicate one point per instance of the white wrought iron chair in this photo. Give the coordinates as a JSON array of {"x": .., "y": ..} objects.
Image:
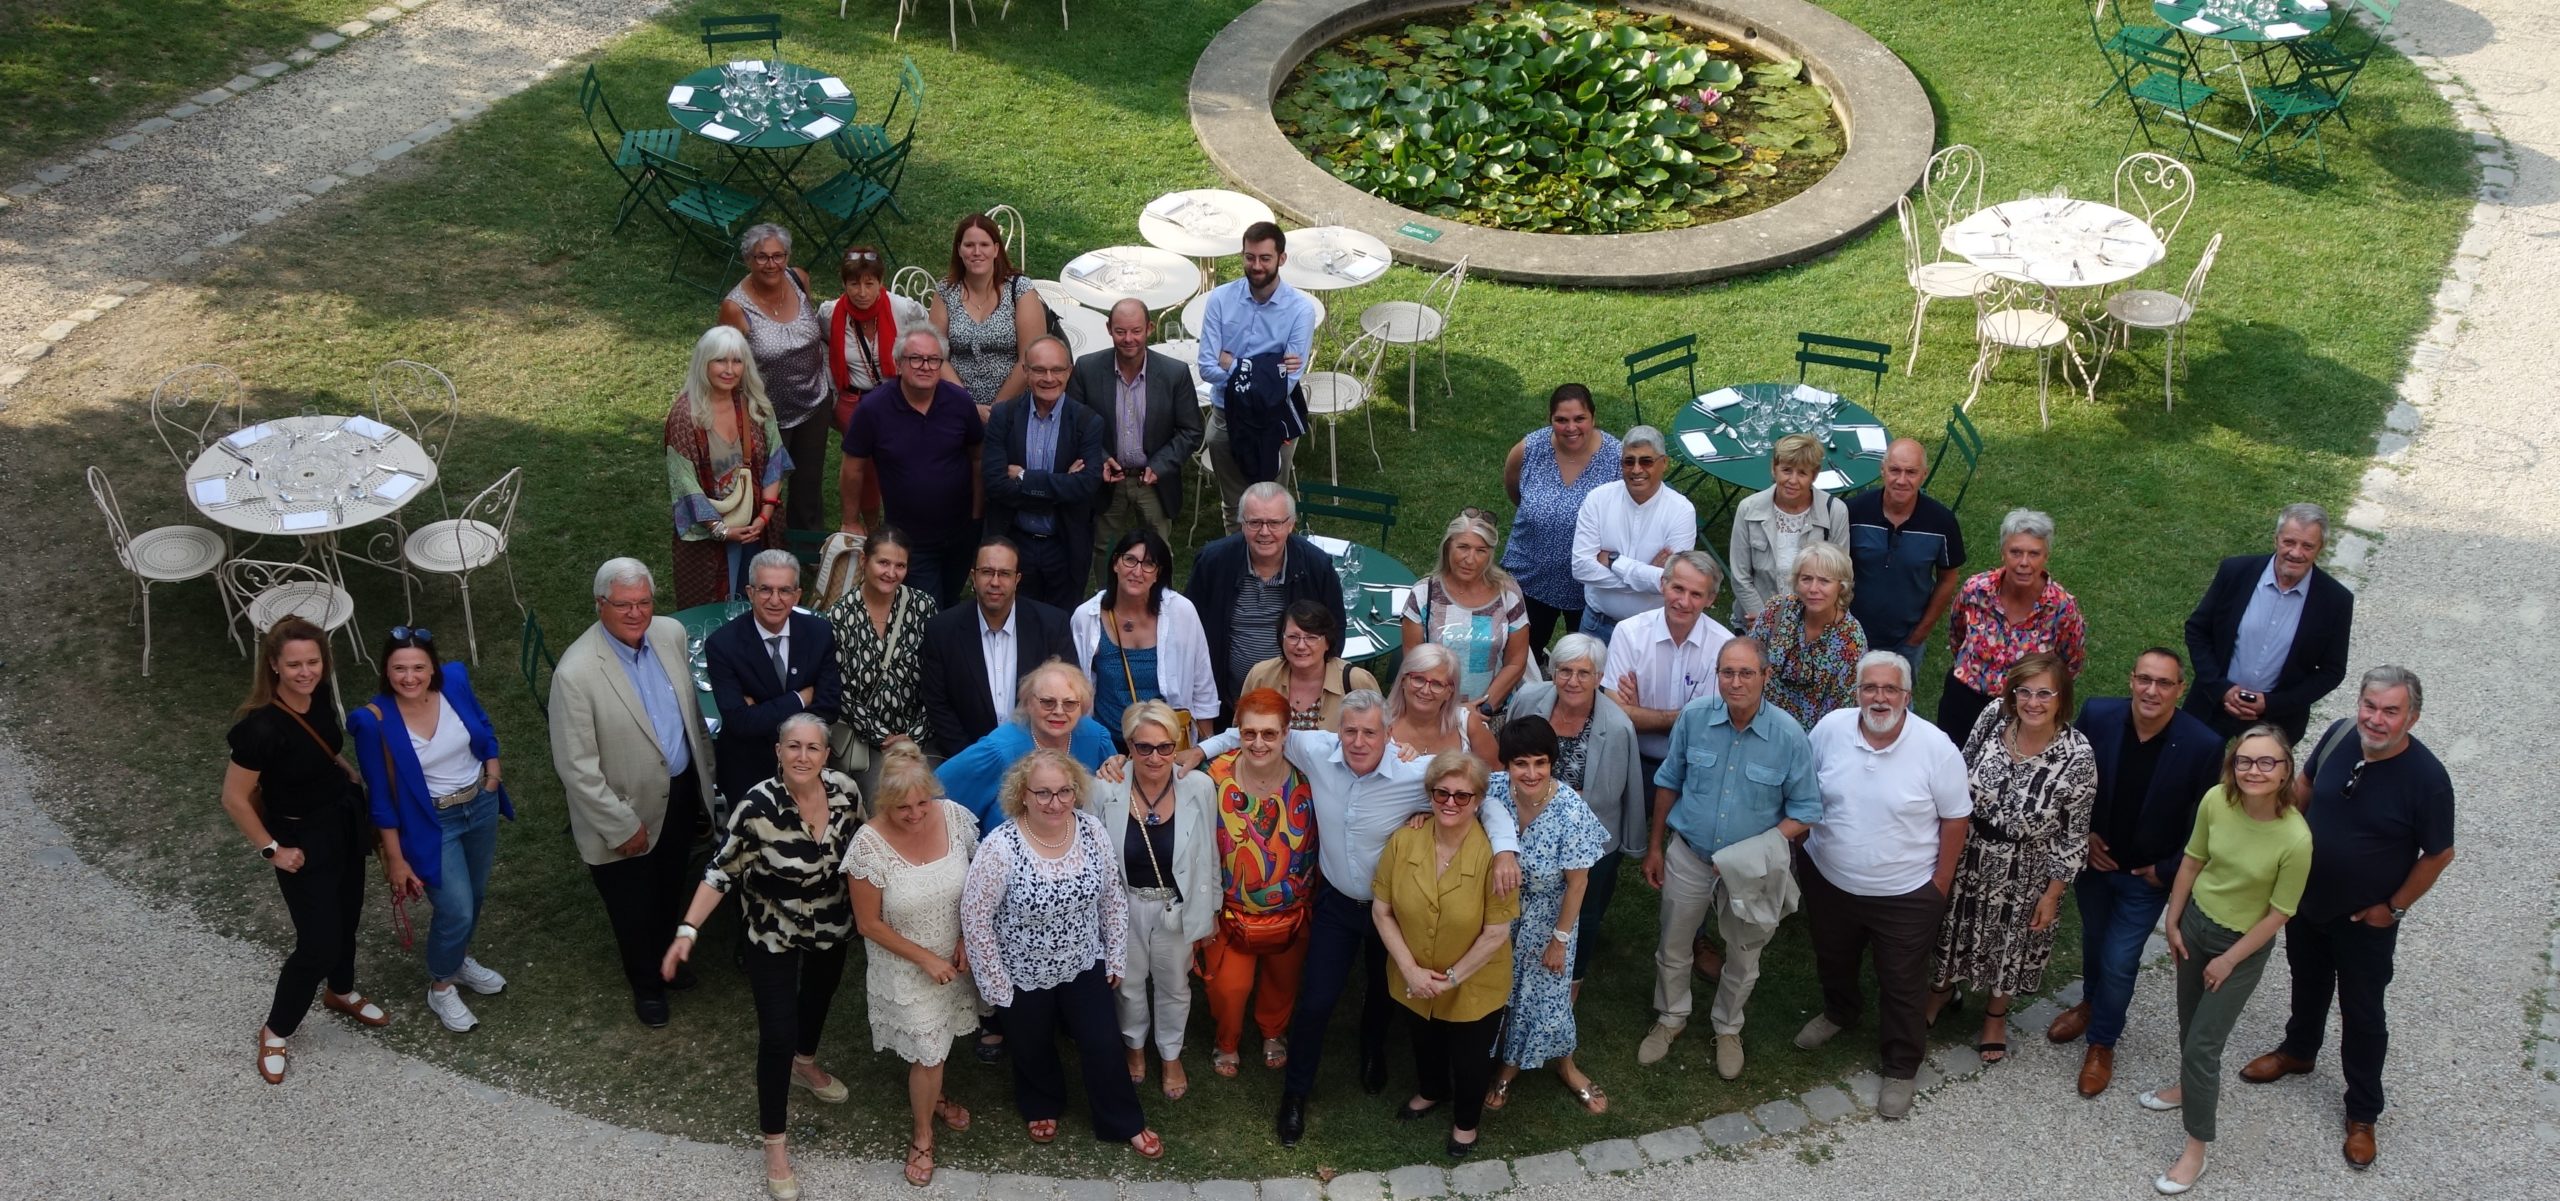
[
  {"x": 913, "y": 282},
  {"x": 419, "y": 401},
  {"x": 266, "y": 592},
  {"x": 1930, "y": 278},
  {"x": 461, "y": 545},
  {"x": 1952, "y": 188},
  {"x": 904, "y": 5},
  {"x": 2167, "y": 312},
  {"x": 1332, "y": 395},
  {"x": 2013, "y": 312},
  {"x": 1195, "y": 312},
  {"x": 1017, "y": 245},
  {"x": 190, "y": 406},
  {"x": 1062, "y": 12},
  {"x": 167, "y": 554},
  {"x": 2157, "y": 188},
  {"x": 1411, "y": 324}
]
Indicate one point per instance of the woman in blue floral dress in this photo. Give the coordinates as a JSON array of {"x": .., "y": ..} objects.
[{"x": 1560, "y": 839}]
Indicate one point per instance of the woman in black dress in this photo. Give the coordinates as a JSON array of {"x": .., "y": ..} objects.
[{"x": 293, "y": 796}]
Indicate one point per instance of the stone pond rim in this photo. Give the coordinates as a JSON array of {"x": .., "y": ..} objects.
[{"x": 1891, "y": 131}]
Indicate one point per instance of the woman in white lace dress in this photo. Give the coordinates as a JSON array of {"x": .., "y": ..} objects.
[{"x": 907, "y": 866}]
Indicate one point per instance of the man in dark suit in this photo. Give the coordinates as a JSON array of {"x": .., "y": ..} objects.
[
  {"x": 2269, "y": 639},
  {"x": 1043, "y": 471},
  {"x": 1241, "y": 583},
  {"x": 1151, "y": 425},
  {"x": 2154, "y": 763},
  {"x": 976, "y": 654},
  {"x": 766, "y": 664}
]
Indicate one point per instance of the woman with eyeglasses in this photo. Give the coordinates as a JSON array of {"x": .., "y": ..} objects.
[
  {"x": 1267, "y": 862},
  {"x": 989, "y": 312},
  {"x": 1771, "y": 526},
  {"x": 2012, "y": 610},
  {"x": 1047, "y": 930},
  {"x": 1054, "y": 711},
  {"x": 1424, "y": 715},
  {"x": 861, "y": 329},
  {"x": 1472, "y": 607},
  {"x": 1814, "y": 641},
  {"x": 430, "y": 763},
  {"x": 2241, "y": 879},
  {"x": 725, "y": 461},
  {"x": 776, "y": 308},
  {"x": 2034, "y": 781},
  {"x": 879, "y": 630},
  {"x": 1448, "y": 934},
  {"x": 1169, "y": 868},
  {"x": 1548, "y": 474},
  {"x": 1138, "y": 640},
  {"x": 1309, "y": 669}
]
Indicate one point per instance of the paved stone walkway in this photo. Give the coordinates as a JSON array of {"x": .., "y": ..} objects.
[{"x": 119, "y": 1083}]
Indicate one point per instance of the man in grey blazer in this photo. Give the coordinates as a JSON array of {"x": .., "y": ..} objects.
[
  {"x": 628, "y": 742},
  {"x": 1150, "y": 409}
]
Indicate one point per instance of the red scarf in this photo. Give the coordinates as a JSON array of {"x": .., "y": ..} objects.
[{"x": 883, "y": 320}]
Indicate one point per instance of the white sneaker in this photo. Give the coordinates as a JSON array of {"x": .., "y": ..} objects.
[
  {"x": 449, "y": 1009},
  {"x": 478, "y": 978}
]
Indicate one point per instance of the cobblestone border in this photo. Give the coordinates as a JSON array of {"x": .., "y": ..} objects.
[{"x": 255, "y": 77}]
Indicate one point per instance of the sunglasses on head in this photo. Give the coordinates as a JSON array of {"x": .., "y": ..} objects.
[{"x": 413, "y": 635}]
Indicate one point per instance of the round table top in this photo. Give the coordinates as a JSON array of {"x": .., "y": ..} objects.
[
  {"x": 1087, "y": 331},
  {"x": 1202, "y": 223},
  {"x": 2246, "y": 20},
  {"x": 1325, "y": 257},
  {"x": 827, "y": 105},
  {"x": 1160, "y": 279},
  {"x": 1197, "y": 310},
  {"x": 1056, "y": 295},
  {"x": 1704, "y": 437},
  {"x": 308, "y": 475},
  {"x": 2059, "y": 243},
  {"x": 1188, "y": 351},
  {"x": 1379, "y": 584}
]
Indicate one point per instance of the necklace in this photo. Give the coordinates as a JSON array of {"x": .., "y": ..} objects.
[
  {"x": 1149, "y": 813},
  {"x": 1045, "y": 844}
]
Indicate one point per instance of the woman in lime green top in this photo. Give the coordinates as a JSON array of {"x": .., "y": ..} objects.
[{"x": 2244, "y": 869}]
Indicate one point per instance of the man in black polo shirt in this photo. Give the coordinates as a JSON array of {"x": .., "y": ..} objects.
[
  {"x": 1905, "y": 549},
  {"x": 2381, "y": 813}
]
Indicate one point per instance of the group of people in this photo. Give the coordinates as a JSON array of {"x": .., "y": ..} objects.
[{"x": 1013, "y": 792}]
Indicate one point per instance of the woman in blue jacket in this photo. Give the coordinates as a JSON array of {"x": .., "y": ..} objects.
[{"x": 430, "y": 765}]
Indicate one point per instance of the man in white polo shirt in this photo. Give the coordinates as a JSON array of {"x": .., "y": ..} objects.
[
  {"x": 1665, "y": 657},
  {"x": 1895, "y": 807}
]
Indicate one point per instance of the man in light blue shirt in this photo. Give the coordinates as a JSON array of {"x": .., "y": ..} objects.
[
  {"x": 1734, "y": 768},
  {"x": 1258, "y": 314}
]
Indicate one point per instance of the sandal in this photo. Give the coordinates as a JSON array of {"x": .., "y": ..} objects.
[
  {"x": 1043, "y": 1131},
  {"x": 272, "y": 1052},
  {"x": 951, "y": 1113},
  {"x": 1954, "y": 1004},
  {"x": 355, "y": 1005},
  {"x": 916, "y": 1151},
  {"x": 1175, "y": 1087},
  {"x": 1500, "y": 1094},
  {"x": 1594, "y": 1099},
  {"x": 780, "y": 1188},
  {"x": 1148, "y": 1144},
  {"x": 1994, "y": 1052},
  {"x": 1275, "y": 1053},
  {"x": 1224, "y": 1063}
]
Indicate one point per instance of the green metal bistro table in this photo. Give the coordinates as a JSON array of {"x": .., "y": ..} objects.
[
  {"x": 698, "y": 623},
  {"x": 767, "y": 133},
  {"x": 1374, "y": 585},
  {"x": 1724, "y": 435},
  {"x": 2247, "y": 30}
]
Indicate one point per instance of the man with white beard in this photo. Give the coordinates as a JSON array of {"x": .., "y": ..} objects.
[{"x": 1895, "y": 808}]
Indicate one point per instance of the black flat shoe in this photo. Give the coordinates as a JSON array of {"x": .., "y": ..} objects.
[
  {"x": 1459, "y": 1150},
  {"x": 1291, "y": 1122},
  {"x": 1407, "y": 1113},
  {"x": 1373, "y": 1075},
  {"x": 988, "y": 1052},
  {"x": 652, "y": 1011}
]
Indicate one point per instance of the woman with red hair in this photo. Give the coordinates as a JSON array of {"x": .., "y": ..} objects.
[
  {"x": 988, "y": 312},
  {"x": 1266, "y": 827}
]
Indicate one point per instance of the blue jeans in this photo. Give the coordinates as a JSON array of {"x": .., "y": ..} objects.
[
  {"x": 1598, "y": 626},
  {"x": 1914, "y": 655},
  {"x": 2117, "y": 912},
  {"x": 470, "y": 843}
]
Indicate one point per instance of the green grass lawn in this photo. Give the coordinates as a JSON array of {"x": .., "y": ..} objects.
[
  {"x": 73, "y": 71},
  {"x": 490, "y": 258}
]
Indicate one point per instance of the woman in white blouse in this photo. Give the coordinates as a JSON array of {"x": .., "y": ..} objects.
[
  {"x": 1047, "y": 930},
  {"x": 907, "y": 866},
  {"x": 1771, "y": 525},
  {"x": 1138, "y": 640},
  {"x": 1169, "y": 868}
]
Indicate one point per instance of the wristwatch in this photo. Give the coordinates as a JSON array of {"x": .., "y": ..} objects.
[
  {"x": 1563, "y": 935},
  {"x": 268, "y": 851},
  {"x": 687, "y": 930},
  {"x": 2398, "y": 915}
]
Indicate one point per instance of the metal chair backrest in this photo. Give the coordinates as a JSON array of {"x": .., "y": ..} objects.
[
  {"x": 1952, "y": 187},
  {"x": 496, "y": 505},
  {"x": 1349, "y": 504},
  {"x": 2157, "y": 188},
  {"x": 103, "y": 491},
  {"x": 590, "y": 98},
  {"x": 1017, "y": 244},
  {"x": 1679, "y": 354},
  {"x": 533, "y": 660},
  {"x": 913, "y": 282},
  {"x": 421, "y": 401},
  {"x": 188, "y": 406},
  {"x": 1444, "y": 288},
  {"x": 679, "y": 175},
  {"x": 248, "y": 579},
  {"x": 2001, "y": 291},
  {"x": 2193, "y": 294},
  {"x": 755, "y": 27},
  {"x": 1823, "y": 350},
  {"x": 1914, "y": 256},
  {"x": 1966, "y": 442}
]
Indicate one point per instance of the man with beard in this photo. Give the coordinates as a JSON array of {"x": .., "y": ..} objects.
[{"x": 1259, "y": 315}]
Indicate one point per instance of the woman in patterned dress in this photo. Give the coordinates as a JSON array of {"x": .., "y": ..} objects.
[
  {"x": 784, "y": 854},
  {"x": 879, "y": 628},
  {"x": 725, "y": 462},
  {"x": 1267, "y": 862},
  {"x": 1548, "y": 474},
  {"x": 2005, "y": 613},
  {"x": 907, "y": 866},
  {"x": 1560, "y": 839},
  {"x": 1814, "y": 643},
  {"x": 776, "y": 307},
  {"x": 1596, "y": 757},
  {"x": 2034, "y": 783},
  {"x": 1474, "y": 609},
  {"x": 988, "y": 312}
]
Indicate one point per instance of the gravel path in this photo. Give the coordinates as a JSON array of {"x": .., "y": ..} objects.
[{"x": 111, "y": 1090}]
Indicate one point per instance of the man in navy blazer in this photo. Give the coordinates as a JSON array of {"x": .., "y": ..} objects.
[
  {"x": 2154, "y": 763},
  {"x": 2269, "y": 639},
  {"x": 1150, "y": 410},
  {"x": 1043, "y": 469},
  {"x": 752, "y": 692},
  {"x": 963, "y": 699}
]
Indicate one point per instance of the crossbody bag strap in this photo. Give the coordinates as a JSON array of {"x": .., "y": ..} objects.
[
  {"x": 353, "y": 776},
  {"x": 2328, "y": 743}
]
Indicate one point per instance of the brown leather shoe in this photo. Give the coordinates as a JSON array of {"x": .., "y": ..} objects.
[
  {"x": 2273, "y": 1066},
  {"x": 2069, "y": 1025},
  {"x": 2359, "y": 1145},
  {"x": 2097, "y": 1070},
  {"x": 1708, "y": 962}
]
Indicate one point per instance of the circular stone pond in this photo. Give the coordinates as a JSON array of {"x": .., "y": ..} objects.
[{"x": 1890, "y": 127}]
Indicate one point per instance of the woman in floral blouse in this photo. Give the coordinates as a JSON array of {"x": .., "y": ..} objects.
[
  {"x": 2005, "y": 614},
  {"x": 1813, "y": 642},
  {"x": 1266, "y": 819},
  {"x": 879, "y": 627}
]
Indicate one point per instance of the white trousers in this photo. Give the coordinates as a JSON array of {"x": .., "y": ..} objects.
[
  {"x": 1690, "y": 889},
  {"x": 1159, "y": 968}
]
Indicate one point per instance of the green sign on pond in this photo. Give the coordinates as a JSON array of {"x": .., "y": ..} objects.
[{"x": 1418, "y": 232}]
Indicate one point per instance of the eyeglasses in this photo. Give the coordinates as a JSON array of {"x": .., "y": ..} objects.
[
  {"x": 770, "y": 256},
  {"x": 1737, "y": 673},
  {"x": 773, "y": 590},
  {"x": 630, "y": 606},
  {"x": 921, "y": 360},
  {"x": 1055, "y": 704},
  {"x": 2354, "y": 775},
  {"x": 1638, "y": 461},
  {"x": 2144, "y": 681},
  {"x": 1134, "y": 559},
  {"x": 1881, "y": 690},
  {"x": 1051, "y": 796},
  {"x": 861, "y": 256},
  {"x": 1265, "y": 523},
  {"x": 2260, "y": 762},
  {"x": 1150, "y": 750},
  {"x": 412, "y": 634},
  {"x": 997, "y": 573},
  {"x": 1452, "y": 796},
  {"x": 1428, "y": 683},
  {"x": 2038, "y": 695},
  {"x": 1302, "y": 638}
]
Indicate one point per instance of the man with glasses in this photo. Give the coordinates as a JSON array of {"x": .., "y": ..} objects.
[
  {"x": 1625, "y": 531},
  {"x": 1907, "y": 553},
  {"x": 920, "y": 435},
  {"x": 2154, "y": 763},
  {"x": 1243, "y": 582},
  {"x": 1152, "y": 414},
  {"x": 1735, "y": 772},
  {"x": 1043, "y": 468},
  {"x": 1258, "y": 322},
  {"x": 1896, "y": 803},
  {"x": 974, "y": 655},
  {"x": 766, "y": 664},
  {"x": 2380, "y": 806}
]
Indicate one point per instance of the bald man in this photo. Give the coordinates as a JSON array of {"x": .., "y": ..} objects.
[
  {"x": 1907, "y": 553},
  {"x": 1150, "y": 408}
]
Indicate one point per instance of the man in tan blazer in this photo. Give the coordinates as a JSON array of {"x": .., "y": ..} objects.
[{"x": 628, "y": 741}]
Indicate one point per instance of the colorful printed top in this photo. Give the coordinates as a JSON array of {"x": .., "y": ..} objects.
[
  {"x": 1986, "y": 645},
  {"x": 1266, "y": 852},
  {"x": 1808, "y": 677}
]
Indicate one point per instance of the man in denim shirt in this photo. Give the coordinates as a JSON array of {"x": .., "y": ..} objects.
[{"x": 1734, "y": 767}]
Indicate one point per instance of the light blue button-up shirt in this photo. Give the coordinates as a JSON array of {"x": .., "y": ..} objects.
[
  {"x": 1040, "y": 453},
  {"x": 1736, "y": 784},
  {"x": 658, "y": 697},
  {"x": 1357, "y": 811},
  {"x": 1234, "y": 322},
  {"x": 2266, "y": 630}
]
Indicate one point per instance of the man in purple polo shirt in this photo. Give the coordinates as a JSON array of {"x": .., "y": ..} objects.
[{"x": 922, "y": 435}]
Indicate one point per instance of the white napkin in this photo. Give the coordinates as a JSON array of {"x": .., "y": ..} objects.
[
  {"x": 397, "y": 486},
  {"x": 1085, "y": 267},
  {"x": 303, "y": 521},
  {"x": 1830, "y": 481},
  {"x": 749, "y": 65},
  {"x": 1167, "y": 205},
  {"x": 821, "y": 127},
  {"x": 214, "y": 491},
  {"x": 1330, "y": 546},
  {"x": 2282, "y": 30},
  {"x": 2312, "y": 6},
  {"x": 714, "y": 129},
  {"x": 1719, "y": 399},
  {"x": 367, "y": 427},
  {"x": 2201, "y": 25},
  {"x": 1871, "y": 439},
  {"x": 1358, "y": 646},
  {"x": 1813, "y": 395},
  {"x": 1360, "y": 266},
  {"x": 249, "y": 437},
  {"x": 680, "y": 94},
  {"x": 1698, "y": 444},
  {"x": 834, "y": 88}
]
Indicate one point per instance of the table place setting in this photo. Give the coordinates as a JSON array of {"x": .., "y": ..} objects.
[{"x": 1354, "y": 264}]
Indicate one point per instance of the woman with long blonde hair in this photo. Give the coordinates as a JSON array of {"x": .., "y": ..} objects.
[
  {"x": 1424, "y": 717},
  {"x": 725, "y": 465},
  {"x": 1470, "y": 605}
]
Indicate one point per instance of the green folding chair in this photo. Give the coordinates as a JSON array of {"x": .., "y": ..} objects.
[
  {"x": 535, "y": 662},
  {"x": 1679, "y": 354},
  {"x": 704, "y": 211},
  {"x": 2116, "y": 38},
  {"x": 853, "y": 198},
  {"x": 2331, "y": 46},
  {"x": 2299, "y": 107},
  {"x": 1966, "y": 443},
  {"x": 863, "y": 145},
  {"x": 624, "y": 155},
  {"x": 758, "y": 27},
  {"x": 1853, "y": 354},
  {"x": 1349, "y": 504},
  {"x": 2155, "y": 80}
]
